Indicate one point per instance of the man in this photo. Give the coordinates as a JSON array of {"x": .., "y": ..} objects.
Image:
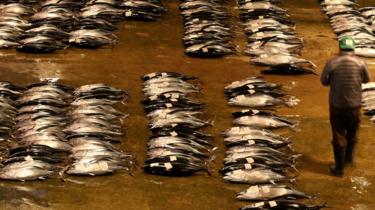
[{"x": 344, "y": 74}]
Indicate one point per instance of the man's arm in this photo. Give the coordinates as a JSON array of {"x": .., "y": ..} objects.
[
  {"x": 325, "y": 76},
  {"x": 365, "y": 74}
]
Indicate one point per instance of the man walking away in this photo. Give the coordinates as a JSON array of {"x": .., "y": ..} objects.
[{"x": 344, "y": 74}]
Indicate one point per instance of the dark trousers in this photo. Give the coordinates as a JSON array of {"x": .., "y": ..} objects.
[{"x": 344, "y": 124}]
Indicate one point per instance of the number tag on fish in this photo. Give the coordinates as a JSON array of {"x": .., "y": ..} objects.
[
  {"x": 255, "y": 111},
  {"x": 173, "y": 133},
  {"x": 254, "y": 25},
  {"x": 172, "y": 158},
  {"x": 245, "y": 110},
  {"x": 151, "y": 75},
  {"x": 168, "y": 166},
  {"x": 272, "y": 203},
  {"x": 164, "y": 74},
  {"x": 259, "y": 34},
  {"x": 263, "y": 56},
  {"x": 153, "y": 98},
  {"x": 154, "y": 164},
  {"x": 204, "y": 50},
  {"x": 128, "y": 13},
  {"x": 248, "y": 166},
  {"x": 29, "y": 158},
  {"x": 175, "y": 95},
  {"x": 250, "y": 86},
  {"x": 259, "y": 204},
  {"x": 174, "y": 100},
  {"x": 261, "y": 17},
  {"x": 251, "y": 92},
  {"x": 250, "y": 160},
  {"x": 168, "y": 105},
  {"x": 256, "y": 43},
  {"x": 251, "y": 142},
  {"x": 174, "y": 125}
]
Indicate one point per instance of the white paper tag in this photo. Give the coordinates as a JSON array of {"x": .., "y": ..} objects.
[
  {"x": 251, "y": 142},
  {"x": 248, "y": 166},
  {"x": 174, "y": 100},
  {"x": 174, "y": 125},
  {"x": 349, "y": 42},
  {"x": 250, "y": 160},
  {"x": 263, "y": 56},
  {"x": 153, "y": 98},
  {"x": 254, "y": 25},
  {"x": 154, "y": 164},
  {"x": 261, "y": 17},
  {"x": 250, "y": 86},
  {"x": 151, "y": 75},
  {"x": 204, "y": 49},
  {"x": 175, "y": 95},
  {"x": 255, "y": 111},
  {"x": 29, "y": 158},
  {"x": 173, "y": 133},
  {"x": 272, "y": 203},
  {"x": 259, "y": 204},
  {"x": 245, "y": 110},
  {"x": 257, "y": 43},
  {"x": 168, "y": 166},
  {"x": 164, "y": 74},
  {"x": 251, "y": 92},
  {"x": 259, "y": 34},
  {"x": 128, "y": 13},
  {"x": 172, "y": 158},
  {"x": 168, "y": 105}
]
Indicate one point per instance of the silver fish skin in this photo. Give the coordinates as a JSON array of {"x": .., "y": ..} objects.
[
  {"x": 254, "y": 176},
  {"x": 26, "y": 170},
  {"x": 260, "y": 121},
  {"x": 269, "y": 192},
  {"x": 256, "y": 100}
]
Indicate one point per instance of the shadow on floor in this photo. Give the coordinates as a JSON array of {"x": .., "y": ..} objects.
[{"x": 311, "y": 164}]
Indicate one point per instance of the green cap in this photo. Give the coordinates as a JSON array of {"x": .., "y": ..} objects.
[{"x": 347, "y": 43}]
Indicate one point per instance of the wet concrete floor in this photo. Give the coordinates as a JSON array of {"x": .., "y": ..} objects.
[{"x": 149, "y": 47}]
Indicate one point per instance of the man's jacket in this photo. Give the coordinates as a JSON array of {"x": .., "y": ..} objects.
[{"x": 345, "y": 74}]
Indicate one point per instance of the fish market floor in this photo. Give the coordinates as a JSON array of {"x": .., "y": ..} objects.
[{"x": 148, "y": 47}]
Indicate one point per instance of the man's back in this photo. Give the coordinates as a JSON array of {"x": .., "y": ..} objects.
[{"x": 345, "y": 74}]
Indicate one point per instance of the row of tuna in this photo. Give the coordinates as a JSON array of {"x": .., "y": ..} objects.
[
  {"x": 368, "y": 100},
  {"x": 271, "y": 35},
  {"x": 259, "y": 157},
  {"x": 37, "y": 139},
  {"x": 47, "y": 121},
  {"x": 94, "y": 123},
  {"x": 54, "y": 25},
  {"x": 348, "y": 21},
  {"x": 207, "y": 32},
  {"x": 177, "y": 146}
]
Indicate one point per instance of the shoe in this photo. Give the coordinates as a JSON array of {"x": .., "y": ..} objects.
[
  {"x": 349, "y": 153},
  {"x": 338, "y": 168},
  {"x": 334, "y": 172}
]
